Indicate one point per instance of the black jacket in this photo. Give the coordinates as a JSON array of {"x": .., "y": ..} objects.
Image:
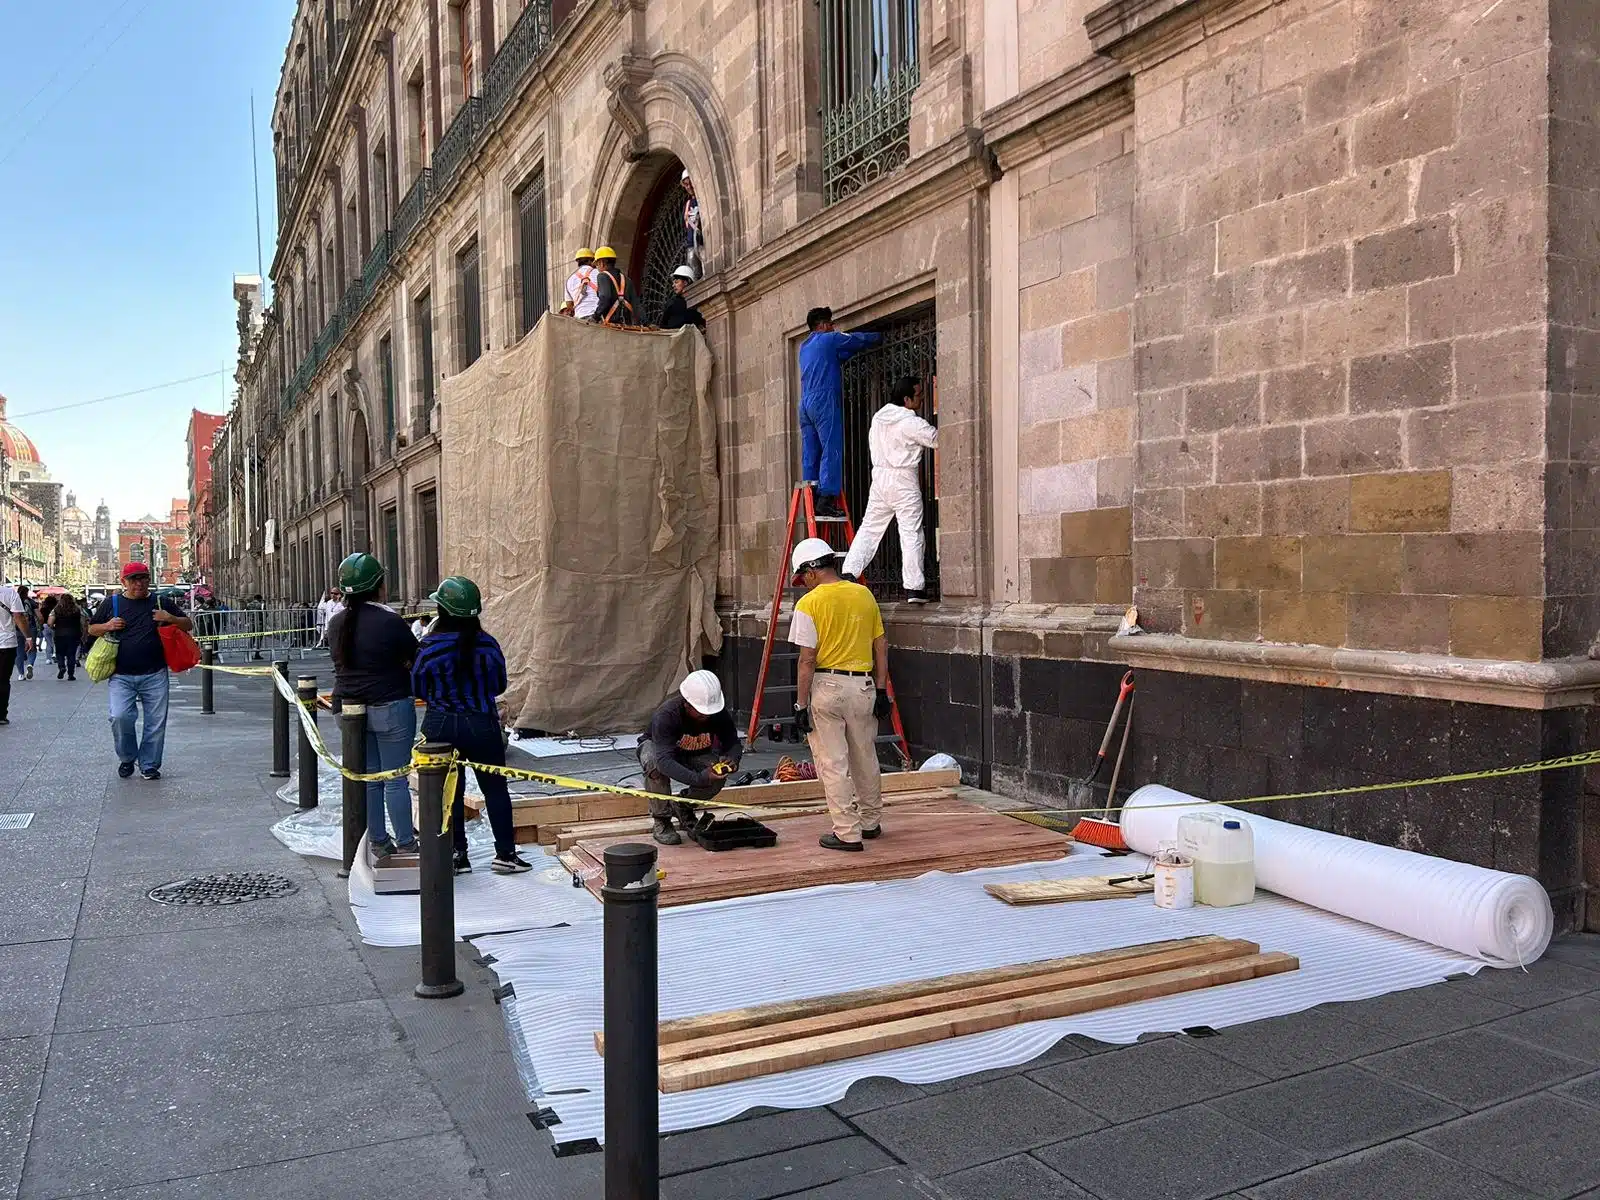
[
  {"x": 623, "y": 309},
  {"x": 679, "y": 313}
]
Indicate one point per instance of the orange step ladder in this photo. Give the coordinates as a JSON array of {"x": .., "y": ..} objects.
[{"x": 802, "y": 503}]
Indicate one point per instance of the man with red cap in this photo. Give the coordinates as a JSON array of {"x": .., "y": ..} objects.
[{"x": 134, "y": 619}]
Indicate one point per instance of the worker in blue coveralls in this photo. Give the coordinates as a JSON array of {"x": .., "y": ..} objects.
[{"x": 822, "y": 354}]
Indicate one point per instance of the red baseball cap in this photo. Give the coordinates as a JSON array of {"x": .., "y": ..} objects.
[{"x": 129, "y": 570}]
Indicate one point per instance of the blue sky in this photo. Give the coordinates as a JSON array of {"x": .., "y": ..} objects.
[{"x": 125, "y": 211}]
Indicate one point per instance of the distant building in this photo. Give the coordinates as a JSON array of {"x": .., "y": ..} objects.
[
  {"x": 203, "y": 428},
  {"x": 162, "y": 542}
]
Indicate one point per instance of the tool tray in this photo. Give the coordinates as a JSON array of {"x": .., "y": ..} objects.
[{"x": 733, "y": 833}]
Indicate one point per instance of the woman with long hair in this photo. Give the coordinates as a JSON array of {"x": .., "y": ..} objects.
[
  {"x": 459, "y": 672},
  {"x": 66, "y": 625},
  {"x": 372, "y": 655}
]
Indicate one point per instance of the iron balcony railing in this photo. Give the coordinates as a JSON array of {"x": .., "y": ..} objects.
[
  {"x": 377, "y": 263},
  {"x": 527, "y": 40},
  {"x": 355, "y": 299},
  {"x": 410, "y": 211},
  {"x": 868, "y": 136},
  {"x": 326, "y": 340},
  {"x": 458, "y": 142}
]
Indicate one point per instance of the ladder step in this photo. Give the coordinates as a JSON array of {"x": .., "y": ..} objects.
[{"x": 786, "y": 687}]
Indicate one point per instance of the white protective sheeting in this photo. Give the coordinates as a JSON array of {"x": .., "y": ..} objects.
[
  {"x": 561, "y": 747},
  {"x": 485, "y": 902},
  {"x": 1503, "y": 919},
  {"x": 784, "y": 946}
]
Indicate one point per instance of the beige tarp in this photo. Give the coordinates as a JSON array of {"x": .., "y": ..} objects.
[{"x": 580, "y": 492}]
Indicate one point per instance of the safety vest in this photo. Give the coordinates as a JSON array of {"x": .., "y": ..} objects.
[{"x": 619, "y": 281}]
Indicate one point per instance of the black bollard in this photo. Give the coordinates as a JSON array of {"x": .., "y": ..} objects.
[
  {"x": 633, "y": 1165},
  {"x": 353, "y": 745},
  {"x": 438, "y": 884},
  {"x": 305, "y": 688},
  {"x": 208, "y": 677},
  {"x": 280, "y": 724}
]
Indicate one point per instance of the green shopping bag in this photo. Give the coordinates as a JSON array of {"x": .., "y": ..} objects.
[{"x": 102, "y": 660}]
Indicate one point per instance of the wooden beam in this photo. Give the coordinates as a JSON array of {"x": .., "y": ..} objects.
[
  {"x": 934, "y": 1027},
  {"x": 1081, "y": 887}
]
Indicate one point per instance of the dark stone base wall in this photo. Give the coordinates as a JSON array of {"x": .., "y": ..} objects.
[{"x": 1227, "y": 739}]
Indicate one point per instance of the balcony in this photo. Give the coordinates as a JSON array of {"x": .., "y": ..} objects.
[
  {"x": 377, "y": 263},
  {"x": 409, "y": 213},
  {"x": 868, "y": 136},
  {"x": 355, "y": 298},
  {"x": 326, "y": 341},
  {"x": 527, "y": 40},
  {"x": 458, "y": 142}
]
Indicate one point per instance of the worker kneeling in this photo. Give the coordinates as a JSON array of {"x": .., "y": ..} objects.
[
  {"x": 840, "y": 696},
  {"x": 896, "y": 441},
  {"x": 691, "y": 740}
]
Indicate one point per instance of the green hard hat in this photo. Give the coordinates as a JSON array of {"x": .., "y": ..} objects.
[
  {"x": 458, "y": 596},
  {"x": 360, "y": 573}
]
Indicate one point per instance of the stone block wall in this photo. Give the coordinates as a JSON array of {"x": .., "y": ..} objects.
[{"x": 1340, "y": 329}]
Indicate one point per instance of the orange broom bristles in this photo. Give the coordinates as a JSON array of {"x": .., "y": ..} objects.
[{"x": 1099, "y": 831}]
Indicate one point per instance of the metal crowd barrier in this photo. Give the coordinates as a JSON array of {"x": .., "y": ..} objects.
[{"x": 264, "y": 634}]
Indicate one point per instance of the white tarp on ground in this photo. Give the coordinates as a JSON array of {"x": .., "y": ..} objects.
[{"x": 778, "y": 947}]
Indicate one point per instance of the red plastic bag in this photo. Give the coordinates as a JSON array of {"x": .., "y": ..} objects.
[{"x": 182, "y": 651}]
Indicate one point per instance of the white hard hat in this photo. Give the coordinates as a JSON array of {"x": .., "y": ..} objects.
[
  {"x": 684, "y": 272},
  {"x": 703, "y": 691},
  {"x": 812, "y": 550}
]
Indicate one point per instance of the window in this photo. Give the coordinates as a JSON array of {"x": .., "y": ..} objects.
[
  {"x": 869, "y": 69},
  {"x": 316, "y": 451},
  {"x": 461, "y": 43},
  {"x": 428, "y": 538},
  {"x": 352, "y": 241},
  {"x": 333, "y": 429},
  {"x": 380, "y": 188},
  {"x": 417, "y": 121},
  {"x": 386, "y": 374},
  {"x": 469, "y": 293},
  {"x": 390, "y": 520},
  {"x": 533, "y": 266},
  {"x": 333, "y": 275},
  {"x": 336, "y": 540},
  {"x": 320, "y": 566},
  {"x": 424, "y": 321}
]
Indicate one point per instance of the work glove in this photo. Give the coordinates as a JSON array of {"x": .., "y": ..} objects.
[
  {"x": 708, "y": 780},
  {"x": 881, "y": 705},
  {"x": 802, "y": 721}
]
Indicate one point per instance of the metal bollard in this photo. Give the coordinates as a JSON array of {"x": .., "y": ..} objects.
[
  {"x": 633, "y": 1164},
  {"x": 208, "y": 677},
  {"x": 353, "y": 745},
  {"x": 305, "y": 687},
  {"x": 438, "y": 885},
  {"x": 280, "y": 725}
]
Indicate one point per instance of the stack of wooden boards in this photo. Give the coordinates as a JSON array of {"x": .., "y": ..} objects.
[
  {"x": 939, "y": 833},
  {"x": 743, "y": 1043}
]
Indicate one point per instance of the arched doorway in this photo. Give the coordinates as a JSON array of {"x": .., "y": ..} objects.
[
  {"x": 658, "y": 249},
  {"x": 360, "y": 464}
]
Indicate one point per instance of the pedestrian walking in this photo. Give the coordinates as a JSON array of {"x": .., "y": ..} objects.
[
  {"x": 139, "y": 681},
  {"x": 45, "y": 610},
  {"x": 691, "y": 739},
  {"x": 14, "y": 636},
  {"x": 66, "y": 629},
  {"x": 822, "y": 358},
  {"x": 372, "y": 656},
  {"x": 255, "y": 620},
  {"x": 840, "y": 696},
  {"x": 28, "y": 655},
  {"x": 459, "y": 671},
  {"x": 896, "y": 441},
  {"x": 325, "y": 610}
]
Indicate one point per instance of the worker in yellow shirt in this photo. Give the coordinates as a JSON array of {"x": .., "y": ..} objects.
[{"x": 840, "y": 697}]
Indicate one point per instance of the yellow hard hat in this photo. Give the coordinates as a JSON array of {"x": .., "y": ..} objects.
[
  {"x": 605, "y": 252},
  {"x": 583, "y": 252}
]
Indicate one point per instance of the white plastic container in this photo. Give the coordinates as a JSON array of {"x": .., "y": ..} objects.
[
  {"x": 1174, "y": 879},
  {"x": 1224, "y": 856}
]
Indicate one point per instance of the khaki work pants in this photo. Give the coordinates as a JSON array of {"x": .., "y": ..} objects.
[{"x": 844, "y": 749}]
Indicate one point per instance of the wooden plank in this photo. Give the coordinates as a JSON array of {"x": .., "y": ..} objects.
[
  {"x": 801, "y": 791},
  {"x": 856, "y": 1016},
  {"x": 935, "y": 1027},
  {"x": 1084, "y": 887},
  {"x": 682, "y": 1029}
]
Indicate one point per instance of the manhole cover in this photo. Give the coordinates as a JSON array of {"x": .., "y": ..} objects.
[{"x": 230, "y": 887}]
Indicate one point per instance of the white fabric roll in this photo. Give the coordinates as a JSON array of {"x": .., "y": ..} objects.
[{"x": 1504, "y": 919}]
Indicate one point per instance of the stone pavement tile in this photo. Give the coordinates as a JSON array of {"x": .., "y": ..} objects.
[
  {"x": 1400, "y": 1168},
  {"x": 1144, "y": 1079},
  {"x": 1424, "y": 1012},
  {"x": 1474, "y": 1068},
  {"x": 1586, "y": 1090},
  {"x": 1545, "y": 982},
  {"x": 1544, "y": 1143},
  {"x": 1335, "y": 1111},
  {"x": 243, "y": 968},
  {"x": 1066, "y": 1050},
  {"x": 147, "y": 831},
  {"x": 21, "y": 1072},
  {"x": 1020, "y": 1177},
  {"x": 30, "y": 984},
  {"x": 157, "y": 1102},
  {"x": 891, "y": 1183},
  {"x": 1186, "y": 1154},
  {"x": 1299, "y": 1042},
  {"x": 1579, "y": 949},
  {"x": 1571, "y": 1027},
  {"x": 696, "y": 1149},
  {"x": 438, "y": 1167},
  {"x": 780, "y": 1174},
  {"x": 118, "y": 905},
  {"x": 877, "y": 1092},
  {"x": 945, "y": 1133},
  {"x": 39, "y": 905}
]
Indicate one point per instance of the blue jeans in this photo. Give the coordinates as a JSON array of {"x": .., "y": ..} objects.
[
  {"x": 822, "y": 446},
  {"x": 26, "y": 658},
  {"x": 127, "y": 693},
  {"x": 477, "y": 736},
  {"x": 391, "y": 729}
]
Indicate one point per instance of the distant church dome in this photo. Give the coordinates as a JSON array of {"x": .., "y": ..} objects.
[{"x": 18, "y": 446}]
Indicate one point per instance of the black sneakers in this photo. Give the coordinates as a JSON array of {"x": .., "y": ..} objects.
[
  {"x": 514, "y": 865},
  {"x": 875, "y": 832},
  {"x": 152, "y": 773},
  {"x": 125, "y": 770},
  {"x": 831, "y": 841},
  {"x": 919, "y": 596},
  {"x": 463, "y": 864}
]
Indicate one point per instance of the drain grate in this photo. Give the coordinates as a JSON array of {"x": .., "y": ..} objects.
[
  {"x": 15, "y": 820},
  {"x": 230, "y": 887}
]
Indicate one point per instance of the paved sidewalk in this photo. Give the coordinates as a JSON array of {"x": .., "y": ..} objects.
[{"x": 151, "y": 1052}]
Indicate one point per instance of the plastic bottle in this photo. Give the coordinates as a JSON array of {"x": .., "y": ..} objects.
[{"x": 1227, "y": 876}]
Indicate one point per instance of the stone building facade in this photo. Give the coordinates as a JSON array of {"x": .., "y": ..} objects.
[{"x": 1276, "y": 318}]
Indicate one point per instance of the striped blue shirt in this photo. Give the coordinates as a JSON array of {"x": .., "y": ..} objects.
[{"x": 436, "y": 680}]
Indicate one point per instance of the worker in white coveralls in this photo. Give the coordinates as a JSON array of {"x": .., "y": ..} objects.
[
  {"x": 896, "y": 441},
  {"x": 583, "y": 297}
]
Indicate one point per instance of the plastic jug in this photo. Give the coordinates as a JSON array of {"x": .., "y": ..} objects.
[{"x": 1224, "y": 854}]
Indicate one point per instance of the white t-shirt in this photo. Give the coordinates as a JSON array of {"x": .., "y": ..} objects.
[
  {"x": 582, "y": 293},
  {"x": 10, "y": 603}
]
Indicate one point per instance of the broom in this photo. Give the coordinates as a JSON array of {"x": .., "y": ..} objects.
[{"x": 1102, "y": 831}]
